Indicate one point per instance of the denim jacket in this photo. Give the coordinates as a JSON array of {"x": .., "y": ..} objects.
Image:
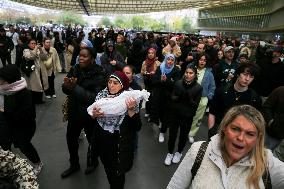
[{"x": 208, "y": 84}]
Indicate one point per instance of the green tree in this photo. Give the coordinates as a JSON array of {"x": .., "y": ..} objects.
[
  {"x": 122, "y": 22},
  {"x": 186, "y": 24},
  {"x": 105, "y": 21},
  {"x": 138, "y": 22},
  {"x": 155, "y": 25},
  {"x": 67, "y": 18},
  {"x": 23, "y": 20}
]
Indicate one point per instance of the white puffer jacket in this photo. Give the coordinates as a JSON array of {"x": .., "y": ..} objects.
[{"x": 214, "y": 174}]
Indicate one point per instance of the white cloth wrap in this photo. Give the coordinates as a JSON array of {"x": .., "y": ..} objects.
[{"x": 117, "y": 106}]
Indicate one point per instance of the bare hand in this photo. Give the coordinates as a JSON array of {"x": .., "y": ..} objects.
[
  {"x": 97, "y": 113},
  {"x": 130, "y": 103},
  {"x": 163, "y": 77}
]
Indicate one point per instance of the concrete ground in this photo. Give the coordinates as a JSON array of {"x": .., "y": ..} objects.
[{"x": 148, "y": 171}]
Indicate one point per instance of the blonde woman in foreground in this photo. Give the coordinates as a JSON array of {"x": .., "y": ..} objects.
[{"x": 235, "y": 158}]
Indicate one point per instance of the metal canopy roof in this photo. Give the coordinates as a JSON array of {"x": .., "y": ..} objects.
[{"x": 94, "y": 7}]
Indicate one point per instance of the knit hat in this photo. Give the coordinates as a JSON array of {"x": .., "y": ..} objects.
[
  {"x": 10, "y": 73},
  {"x": 87, "y": 42},
  {"x": 121, "y": 78}
]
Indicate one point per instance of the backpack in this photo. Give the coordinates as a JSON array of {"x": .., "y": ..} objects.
[{"x": 200, "y": 155}]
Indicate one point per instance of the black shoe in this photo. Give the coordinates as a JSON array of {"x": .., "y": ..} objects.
[{"x": 70, "y": 171}]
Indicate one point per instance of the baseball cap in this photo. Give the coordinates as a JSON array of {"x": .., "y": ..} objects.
[{"x": 228, "y": 48}]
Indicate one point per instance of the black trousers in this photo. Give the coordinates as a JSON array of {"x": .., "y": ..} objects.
[
  {"x": 5, "y": 59},
  {"x": 106, "y": 146},
  {"x": 72, "y": 136},
  {"x": 22, "y": 137},
  {"x": 37, "y": 97},
  {"x": 50, "y": 91},
  {"x": 175, "y": 122}
]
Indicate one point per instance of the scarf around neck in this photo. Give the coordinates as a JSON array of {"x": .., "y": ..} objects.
[
  {"x": 109, "y": 124},
  {"x": 10, "y": 89}
]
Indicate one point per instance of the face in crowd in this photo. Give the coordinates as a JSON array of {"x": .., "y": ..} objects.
[
  {"x": 245, "y": 79},
  {"x": 229, "y": 55},
  {"x": 200, "y": 48},
  {"x": 202, "y": 62},
  {"x": 189, "y": 75},
  {"x": 113, "y": 86},
  {"x": 85, "y": 58},
  {"x": 151, "y": 54},
  {"x": 128, "y": 72},
  {"x": 47, "y": 44},
  {"x": 170, "y": 61},
  {"x": 32, "y": 44},
  {"x": 220, "y": 55}
]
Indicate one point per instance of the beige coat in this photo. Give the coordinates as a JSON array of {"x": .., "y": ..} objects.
[
  {"x": 52, "y": 63},
  {"x": 34, "y": 81},
  {"x": 69, "y": 53}
]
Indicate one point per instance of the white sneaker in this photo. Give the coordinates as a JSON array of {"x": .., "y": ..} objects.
[
  {"x": 168, "y": 160},
  {"x": 146, "y": 115},
  {"x": 161, "y": 137},
  {"x": 177, "y": 157},
  {"x": 54, "y": 96},
  {"x": 48, "y": 96},
  {"x": 37, "y": 168},
  {"x": 191, "y": 139}
]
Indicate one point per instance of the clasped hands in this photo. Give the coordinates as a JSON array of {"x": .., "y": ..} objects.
[{"x": 70, "y": 83}]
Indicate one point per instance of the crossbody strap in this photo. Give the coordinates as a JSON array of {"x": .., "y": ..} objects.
[
  {"x": 198, "y": 159},
  {"x": 266, "y": 179}
]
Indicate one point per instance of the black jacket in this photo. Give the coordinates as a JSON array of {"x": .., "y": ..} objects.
[
  {"x": 168, "y": 85},
  {"x": 273, "y": 112},
  {"x": 19, "y": 109},
  {"x": 226, "y": 97},
  {"x": 6, "y": 46},
  {"x": 5, "y": 139},
  {"x": 20, "y": 116},
  {"x": 107, "y": 57},
  {"x": 89, "y": 82},
  {"x": 185, "y": 98},
  {"x": 116, "y": 150}
]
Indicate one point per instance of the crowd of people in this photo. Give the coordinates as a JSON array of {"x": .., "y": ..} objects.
[{"x": 239, "y": 83}]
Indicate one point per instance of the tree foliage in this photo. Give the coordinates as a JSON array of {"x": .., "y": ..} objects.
[
  {"x": 105, "y": 21},
  {"x": 186, "y": 24},
  {"x": 122, "y": 22},
  {"x": 68, "y": 18},
  {"x": 23, "y": 20}
]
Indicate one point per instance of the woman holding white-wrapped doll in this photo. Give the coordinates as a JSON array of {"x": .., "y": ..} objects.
[{"x": 114, "y": 134}]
